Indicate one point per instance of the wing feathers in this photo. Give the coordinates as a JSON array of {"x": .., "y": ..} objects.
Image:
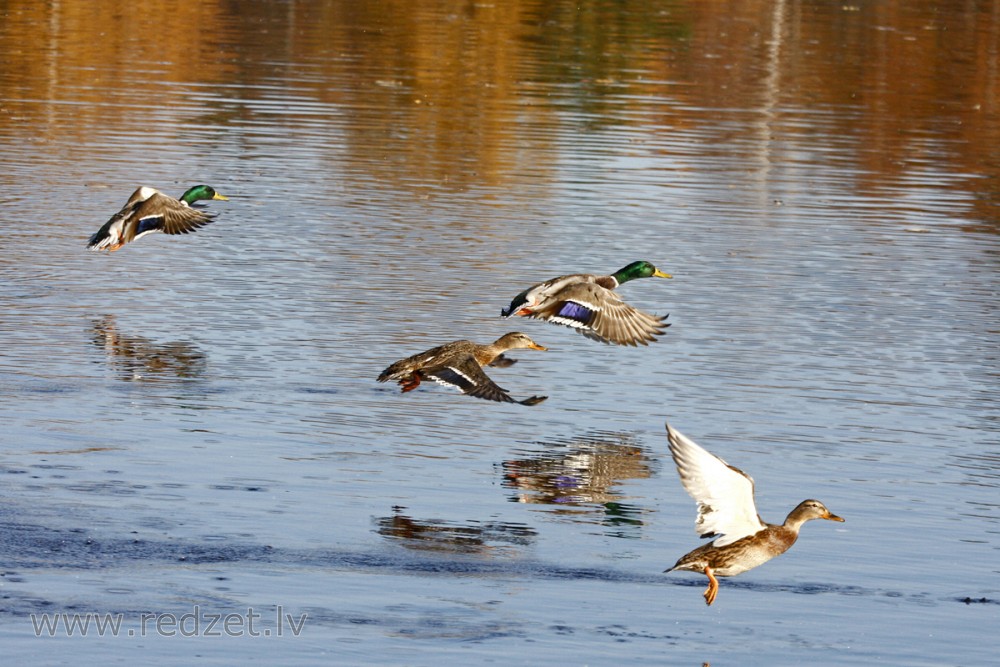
[
  {"x": 600, "y": 314},
  {"x": 166, "y": 214},
  {"x": 469, "y": 377},
  {"x": 724, "y": 494}
]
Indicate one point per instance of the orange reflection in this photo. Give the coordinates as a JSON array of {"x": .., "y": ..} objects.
[{"x": 452, "y": 93}]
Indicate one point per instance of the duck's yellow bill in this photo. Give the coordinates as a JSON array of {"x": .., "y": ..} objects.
[
  {"x": 661, "y": 274},
  {"x": 218, "y": 196}
]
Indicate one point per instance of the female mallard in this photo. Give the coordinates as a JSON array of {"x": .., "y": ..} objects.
[
  {"x": 149, "y": 210},
  {"x": 727, "y": 512},
  {"x": 589, "y": 304},
  {"x": 460, "y": 364}
]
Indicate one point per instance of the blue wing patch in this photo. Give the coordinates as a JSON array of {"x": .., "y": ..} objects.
[
  {"x": 575, "y": 311},
  {"x": 150, "y": 224}
]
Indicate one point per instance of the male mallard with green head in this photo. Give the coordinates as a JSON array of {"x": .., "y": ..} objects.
[
  {"x": 726, "y": 511},
  {"x": 460, "y": 364},
  {"x": 589, "y": 304},
  {"x": 149, "y": 210}
]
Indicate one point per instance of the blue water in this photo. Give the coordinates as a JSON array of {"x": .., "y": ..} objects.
[{"x": 193, "y": 423}]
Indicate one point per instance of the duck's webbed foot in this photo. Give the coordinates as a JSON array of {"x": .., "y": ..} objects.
[
  {"x": 713, "y": 586},
  {"x": 410, "y": 382}
]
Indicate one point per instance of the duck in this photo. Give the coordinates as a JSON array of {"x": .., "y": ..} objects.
[
  {"x": 589, "y": 304},
  {"x": 148, "y": 210},
  {"x": 460, "y": 364},
  {"x": 727, "y": 512}
]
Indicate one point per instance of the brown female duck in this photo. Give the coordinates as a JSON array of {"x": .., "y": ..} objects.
[
  {"x": 726, "y": 511},
  {"x": 460, "y": 364}
]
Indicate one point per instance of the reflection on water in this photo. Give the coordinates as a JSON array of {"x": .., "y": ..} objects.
[
  {"x": 134, "y": 358},
  {"x": 401, "y": 168},
  {"x": 83, "y": 450},
  {"x": 473, "y": 537},
  {"x": 450, "y": 95},
  {"x": 579, "y": 475}
]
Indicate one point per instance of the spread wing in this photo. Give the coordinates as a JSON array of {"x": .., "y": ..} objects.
[
  {"x": 161, "y": 213},
  {"x": 468, "y": 376},
  {"x": 600, "y": 314},
  {"x": 724, "y": 494}
]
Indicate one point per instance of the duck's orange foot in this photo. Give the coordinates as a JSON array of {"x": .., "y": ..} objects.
[
  {"x": 713, "y": 587},
  {"x": 410, "y": 383}
]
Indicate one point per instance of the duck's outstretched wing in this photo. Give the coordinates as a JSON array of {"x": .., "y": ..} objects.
[
  {"x": 161, "y": 213},
  {"x": 468, "y": 376},
  {"x": 600, "y": 314},
  {"x": 724, "y": 494}
]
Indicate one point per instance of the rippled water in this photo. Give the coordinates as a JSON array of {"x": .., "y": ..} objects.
[{"x": 194, "y": 421}]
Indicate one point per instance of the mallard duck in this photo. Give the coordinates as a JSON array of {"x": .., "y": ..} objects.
[
  {"x": 460, "y": 364},
  {"x": 589, "y": 304},
  {"x": 149, "y": 210},
  {"x": 726, "y": 511}
]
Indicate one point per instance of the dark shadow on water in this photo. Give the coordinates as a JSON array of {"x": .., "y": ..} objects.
[
  {"x": 968, "y": 600},
  {"x": 138, "y": 359},
  {"x": 455, "y": 551}
]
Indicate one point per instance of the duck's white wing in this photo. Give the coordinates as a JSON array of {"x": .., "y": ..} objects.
[{"x": 724, "y": 494}]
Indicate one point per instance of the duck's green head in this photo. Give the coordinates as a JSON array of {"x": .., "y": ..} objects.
[
  {"x": 199, "y": 192},
  {"x": 638, "y": 270}
]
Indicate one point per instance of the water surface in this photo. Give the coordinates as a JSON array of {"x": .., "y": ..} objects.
[{"x": 195, "y": 422}]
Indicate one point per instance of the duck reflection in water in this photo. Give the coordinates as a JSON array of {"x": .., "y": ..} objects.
[
  {"x": 579, "y": 473},
  {"x": 135, "y": 358},
  {"x": 473, "y": 537}
]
